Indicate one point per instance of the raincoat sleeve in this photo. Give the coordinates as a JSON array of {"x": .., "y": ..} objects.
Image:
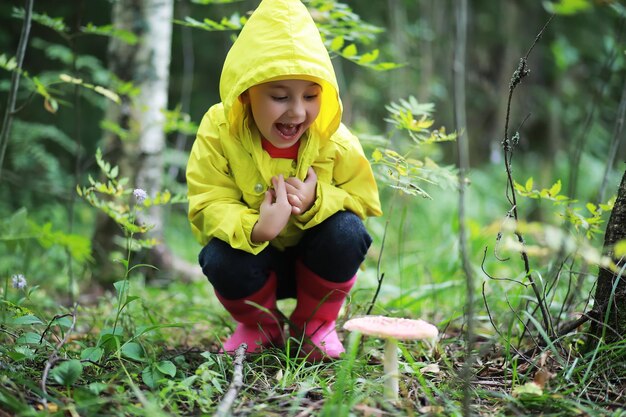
[
  {"x": 352, "y": 186},
  {"x": 216, "y": 209}
]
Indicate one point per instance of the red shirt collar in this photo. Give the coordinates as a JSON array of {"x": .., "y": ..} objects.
[{"x": 288, "y": 153}]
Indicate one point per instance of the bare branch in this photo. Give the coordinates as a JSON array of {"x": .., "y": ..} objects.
[
  {"x": 482, "y": 266},
  {"x": 54, "y": 356},
  {"x": 508, "y": 146},
  {"x": 224, "y": 407}
]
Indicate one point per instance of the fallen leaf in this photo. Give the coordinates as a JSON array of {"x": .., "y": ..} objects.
[{"x": 433, "y": 368}]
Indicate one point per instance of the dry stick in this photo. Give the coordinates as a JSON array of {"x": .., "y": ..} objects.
[
  {"x": 463, "y": 151},
  {"x": 518, "y": 75},
  {"x": 15, "y": 81},
  {"x": 54, "y": 356},
  {"x": 223, "y": 409}
]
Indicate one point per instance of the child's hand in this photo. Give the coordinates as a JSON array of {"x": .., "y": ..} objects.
[
  {"x": 274, "y": 212},
  {"x": 301, "y": 195}
]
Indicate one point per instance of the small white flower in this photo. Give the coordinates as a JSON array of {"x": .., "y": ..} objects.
[
  {"x": 18, "y": 281},
  {"x": 140, "y": 195}
]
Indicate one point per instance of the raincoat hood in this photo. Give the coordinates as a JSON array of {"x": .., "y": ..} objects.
[{"x": 280, "y": 41}]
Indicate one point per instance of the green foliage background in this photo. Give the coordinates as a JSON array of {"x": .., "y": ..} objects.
[{"x": 149, "y": 341}]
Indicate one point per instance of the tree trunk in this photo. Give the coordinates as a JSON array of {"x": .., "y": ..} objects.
[
  {"x": 611, "y": 287},
  {"x": 140, "y": 155}
]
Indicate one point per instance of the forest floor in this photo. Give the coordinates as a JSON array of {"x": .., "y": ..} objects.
[{"x": 152, "y": 351}]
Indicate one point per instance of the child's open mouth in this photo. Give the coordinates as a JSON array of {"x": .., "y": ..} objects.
[{"x": 288, "y": 131}]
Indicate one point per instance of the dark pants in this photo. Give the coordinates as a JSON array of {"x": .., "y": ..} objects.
[{"x": 333, "y": 250}]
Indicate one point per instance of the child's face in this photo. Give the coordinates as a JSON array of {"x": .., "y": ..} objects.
[{"x": 283, "y": 110}]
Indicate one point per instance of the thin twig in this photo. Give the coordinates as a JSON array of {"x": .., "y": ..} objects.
[
  {"x": 517, "y": 316},
  {"x": 482, "y": 266},
  {"x": 496, "y": 327},
  {"x": 15, "y": 81},
  {"x": 54, "y": 356},
  {"x": 56, "y": 317},
  {"x": 224, "y": 407},
  {"x": 508, "y": 145},
  {"x": 3, "y": 330},
  {"x": 380, "y": 276}
]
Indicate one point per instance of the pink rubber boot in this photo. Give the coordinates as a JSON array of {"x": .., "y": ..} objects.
[
  {"x": 319, "y": 302},
  {"x": 255, "y": 327}
]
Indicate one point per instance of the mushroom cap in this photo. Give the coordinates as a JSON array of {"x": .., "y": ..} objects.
[{"x": 391, "y": 327}]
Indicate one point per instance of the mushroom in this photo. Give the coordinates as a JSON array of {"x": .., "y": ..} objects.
[{"x": 392, "y": 329}]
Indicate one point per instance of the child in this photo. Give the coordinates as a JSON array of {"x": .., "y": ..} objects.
[{"x": 278, "y": 187}]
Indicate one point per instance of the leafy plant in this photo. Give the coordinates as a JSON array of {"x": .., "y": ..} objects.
[{"x": 401, "y": 170}]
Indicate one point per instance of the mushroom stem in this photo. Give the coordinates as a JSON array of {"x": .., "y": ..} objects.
[{"x": 391, "y": 369}]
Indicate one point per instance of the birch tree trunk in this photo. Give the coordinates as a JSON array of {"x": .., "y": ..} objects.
[{"x": 140, "y": 154}]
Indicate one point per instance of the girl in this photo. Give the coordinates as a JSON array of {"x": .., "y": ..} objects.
[{"x": 278, "y": 187}]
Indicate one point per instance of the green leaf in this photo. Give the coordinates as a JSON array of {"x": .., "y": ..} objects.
[
  {"x": 337, "y": 43},
  {"x": 54, "y": 23},
  {"x": 110, "y": 340},
  {"x": 592, "y": 208},
  {"x": 567, "y": 7},
  {"x": 108, "y": 30},
  {"x": 21, "y": 352},
  {"x": 369, "y": 57},
  {"x": 529, "y": 184},
  {"x": 556, "y": 188},
  {"x": 386, "y": 66},
  {"x": 63, "y": 322},
  {"x": 134, "y": 351},
  {"x": 167, "y": 368},
  {"x": 519, "y": 187},
  {"x": 68, "y": 372},
  {"x": 25, "y": 320},
  {"x": 151, "y": 375},
  {"x": 93, "y": 354},
  {"x": 97, "y": 387},
  {"x": 29, "y": 338},
  {"x": 130, "y": 299},
  {"x": 349, "y": 51},
  {"x": 8, "y": 64},
  {"x": 121, "y": 286}
]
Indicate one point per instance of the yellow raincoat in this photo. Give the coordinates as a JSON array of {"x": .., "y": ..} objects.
[{"x": 228, "y": 171}]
